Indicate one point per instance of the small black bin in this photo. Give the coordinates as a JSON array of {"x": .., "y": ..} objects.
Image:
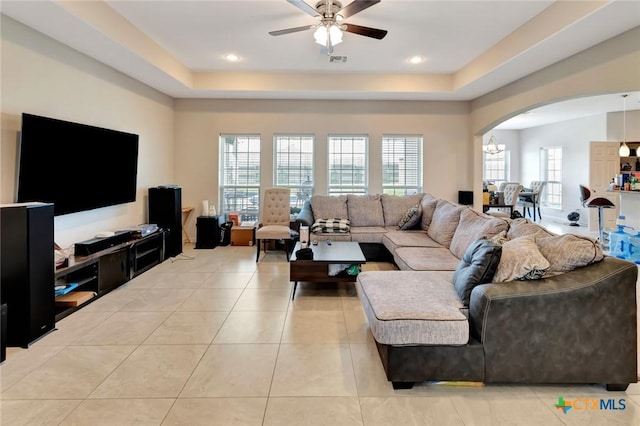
[{"x": 225, "y": 233}]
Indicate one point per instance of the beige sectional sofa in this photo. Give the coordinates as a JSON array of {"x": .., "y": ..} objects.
[{"x": 479, "y": 298}]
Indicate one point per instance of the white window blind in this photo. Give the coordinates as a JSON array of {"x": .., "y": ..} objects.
[
  {"x": 401, "y": 164},
  {"x": 240, "y": 175},
  {"x": 294, "y": 166},
  {"x": 348, "y": 165}
]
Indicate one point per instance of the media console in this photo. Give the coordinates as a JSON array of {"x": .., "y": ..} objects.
[{"x": 103, "y": 264}]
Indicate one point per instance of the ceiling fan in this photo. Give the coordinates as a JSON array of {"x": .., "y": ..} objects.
[{"x": 330, "y": 14}]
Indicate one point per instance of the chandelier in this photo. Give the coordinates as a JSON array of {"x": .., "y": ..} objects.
[{"x": 491, "y": 147}]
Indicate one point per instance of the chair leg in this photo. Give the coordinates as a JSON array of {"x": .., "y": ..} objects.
[
  {"x": 287, "y": 247},
  {"x": 258, "y": 250}
]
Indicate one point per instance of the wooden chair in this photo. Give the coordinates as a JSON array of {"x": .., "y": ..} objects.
[{"x": 273, "y": 223}]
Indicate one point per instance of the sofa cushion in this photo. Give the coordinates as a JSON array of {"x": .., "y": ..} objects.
[
  {"x": 520, "y": 227},
  {"x": 395, "y": 206},
  {"x": 414, "y": 238},
  {"x": 428, "y": 204},
  {"x": 444, "y": 222},
  {"x": 472, "y": 227},
  {"x": 412, "y": 308},
  {"x": 568, "y": 252},
  {"x": 425, "y": 259},
  {"x": 365, "y": 210},
  {"x": 367, "y": 234},
  {"x": 327, "y": 207},
  {"x": 521, "y": 260},
  {"x": 411, "y": 218},
  {"x": 478, "y": 266}
]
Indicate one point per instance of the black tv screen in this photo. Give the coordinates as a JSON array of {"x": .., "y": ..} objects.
[{"x": 75, "y": 166}]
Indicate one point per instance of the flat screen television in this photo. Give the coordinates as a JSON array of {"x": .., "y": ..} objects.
[{"x": 76, "y": 167}]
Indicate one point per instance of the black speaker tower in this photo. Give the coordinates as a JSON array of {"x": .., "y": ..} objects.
[
  {"x": 26, "y": 254},
  {"x": 165, "y": 210}
]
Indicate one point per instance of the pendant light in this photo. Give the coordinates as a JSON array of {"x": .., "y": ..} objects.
[{"x": 624, "y": 148}]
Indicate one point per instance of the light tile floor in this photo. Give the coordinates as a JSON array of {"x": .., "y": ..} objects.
[{"x": 214, "y": 339}]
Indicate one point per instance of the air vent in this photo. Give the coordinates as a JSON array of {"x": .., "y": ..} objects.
[{"x": 338, "y": 59}]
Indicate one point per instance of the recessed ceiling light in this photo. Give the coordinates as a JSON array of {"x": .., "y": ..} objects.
[
  {"x": 416, "y": 59},
  {"x": 232, "y": 57}
]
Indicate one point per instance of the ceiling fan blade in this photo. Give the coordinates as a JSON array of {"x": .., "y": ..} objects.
[
  {"x": 304, "y": 7},
  {"x": 291, "y": 30},
  {"x": 365, "y": 31},
  {"x": 356, "y": 6}
]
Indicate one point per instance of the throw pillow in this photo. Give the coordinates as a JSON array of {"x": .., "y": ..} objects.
[
  {"x": 568, "y": 252},
  {"x": 521, "y": 260},
  {"x": 410, "y": 218},
  {"x": 478, "y": 266},
  {"x": 500, "y": 238},
  {"x": 472, "y": 226},
  {"x": 330, "y": 226}
]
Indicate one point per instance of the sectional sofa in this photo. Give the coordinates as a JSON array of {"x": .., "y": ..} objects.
[{"x": 486, "y": 299}]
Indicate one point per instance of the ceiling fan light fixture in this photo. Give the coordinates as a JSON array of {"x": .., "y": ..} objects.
[{"x": 328, "y": 32}]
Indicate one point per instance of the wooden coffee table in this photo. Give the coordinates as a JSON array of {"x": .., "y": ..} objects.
[{"x": 317, "y": 270}]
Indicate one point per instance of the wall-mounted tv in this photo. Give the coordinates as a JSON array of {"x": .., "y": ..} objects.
[{"x": 75, "y": 166}]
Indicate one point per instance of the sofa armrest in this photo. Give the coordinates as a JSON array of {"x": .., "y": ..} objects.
[
  {"x": 305, "y": 216},
  {"x": 577, "y": 327}
]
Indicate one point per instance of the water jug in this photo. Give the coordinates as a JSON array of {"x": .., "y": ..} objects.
[
  {"x": 619, "y": 243},
  {"x": 634, "y": 248}
]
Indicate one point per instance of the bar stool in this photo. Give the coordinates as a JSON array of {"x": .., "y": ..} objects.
[{"x": 595, "y": 203}]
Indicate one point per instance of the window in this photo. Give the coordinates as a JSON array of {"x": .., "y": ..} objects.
[
  {"x": 551, "y": 161},
  {"x": 494, "y": 166},
  {"x": 240, "y": 175},
  {"x": 401, "y": 165},
  {"x": 294, "y": 166},
  {"x": 348, "y": 164}
]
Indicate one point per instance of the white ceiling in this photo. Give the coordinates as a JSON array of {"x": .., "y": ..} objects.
[{"x": 470, "y": 47}]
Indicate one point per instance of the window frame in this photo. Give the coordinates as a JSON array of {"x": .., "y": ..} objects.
[
  {"x": 304, "y": 190},
  {"x": 394, "y": 188},
  {"x": 551, "y": 168},
  {"x": 340, "y": 188},
  {"x": 249, "y": 204},
  {"x": 488, "y": 159}
]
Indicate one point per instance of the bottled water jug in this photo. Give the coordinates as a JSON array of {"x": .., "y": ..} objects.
[
  {"x": 634, "y": 248},
  {"x": 619, "y": 240}
]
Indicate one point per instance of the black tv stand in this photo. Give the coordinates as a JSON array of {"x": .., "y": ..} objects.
[{"x": 111, "y": 262}]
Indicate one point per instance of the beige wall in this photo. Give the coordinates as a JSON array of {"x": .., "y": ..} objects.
[
  {"x": 443, "y": 126},
  {"x": 41, "y": 76},
  {"x": 179, "y": 139}
]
